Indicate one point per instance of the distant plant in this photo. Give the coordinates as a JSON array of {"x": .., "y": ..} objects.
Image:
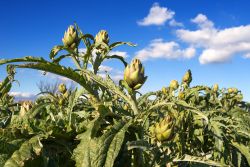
[{"x": 102, "y": 123}]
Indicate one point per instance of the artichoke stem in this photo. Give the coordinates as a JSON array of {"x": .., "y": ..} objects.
[
  {"x": 77, "y": 63},
  {"x": 134, "y": 105}
]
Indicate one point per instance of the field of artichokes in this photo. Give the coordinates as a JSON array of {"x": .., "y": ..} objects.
[{"x": 102, "y": 123}]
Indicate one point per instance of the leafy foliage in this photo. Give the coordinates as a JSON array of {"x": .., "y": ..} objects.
[{"x": 101, "y": 123}]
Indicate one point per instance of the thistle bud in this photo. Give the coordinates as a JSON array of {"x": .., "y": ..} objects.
[
  {"x": 134, "y": 74},
  {"x": 187, "y": 78},
  {"x": 164, "y": 90},
  {"x": 181, "y": 95},
  {"x": 25, "y": 107},
  {"x": 232, "y": 90},
  {"x": 70, "y": 38},
  {"x": 174, "y": 84},
  {"x": 61, "y": 101},
  {"x": 125, "y": 107},
  {"x": 62, "y": 88},
  {"x": 164, "y": 129},
  {"x": 216, "y": 87},
  {"x": 66, "y": 95},
  {"x": 102, "y": 36}
]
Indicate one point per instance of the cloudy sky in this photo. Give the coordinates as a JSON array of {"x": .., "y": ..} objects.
[{"x": 212, "y": 38}]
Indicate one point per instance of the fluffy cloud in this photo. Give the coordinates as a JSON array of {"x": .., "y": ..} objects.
[
  {"x": 119, "y": 53},
  {"x": 55, "y": 77},
  {"x": 218, "y": 45},
  {"x": 157, "y": 16},
  {"x": 103, "y": 68},
  {"x": 22, "y": 95},
  {"x": 247, "y": 56},
  {"x": 168, "y": 50},
  {"x": 174, "y": 23},
  {"x": 115, "y": 74}
]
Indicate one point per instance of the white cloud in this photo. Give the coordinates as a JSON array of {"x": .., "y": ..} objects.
[
  {"x": 55, "y": 77},
  {"x": 218, "y": 45},
  {"x": 82, "y": 50},
  {"x": 119, "y": 53},
  {"x": 117, "y": 77},
  {"x": 247, "y": 56},
  {"x": 22, "y": 95},
  {"x": 115, "y": 74},
  {"x": 103, "y": 68},
  {"x": 157, "y": 16},
  {"x": 174, "y": 23},
  {"x": 202, "y": 21},
  {"x": 168, "y": 50}
]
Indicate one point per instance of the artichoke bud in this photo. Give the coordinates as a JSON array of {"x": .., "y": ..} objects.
[
  {"x": 70, "y": 39},
  {"x": 125, "y": 107},
  {"x": 235, "y": 90},
  {"x": 102, "y": 36},
  {"x": 134, "y": 74},
  {"x": 232, "y": 90},
  {"x": 174, "y": 84},
  {"x": 215, "y": 87},
  {"x": 164, "y": 90},
  {"x": 187, "y": 78},
  {"x": 164, "y": 129},
  {"x": 62, "y": 88},
  {"x": 66, "y": 95},
  {"x": 181, "y": 95},
  {"x": 61, "y": 101},
  {"x": 25, "y": 107}
]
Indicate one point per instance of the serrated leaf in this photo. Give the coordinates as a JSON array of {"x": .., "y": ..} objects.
[
  {"x": 113, "y": 45},
  {"x": 200, "y": 160},
  {"x": 54, "y": 51},
  {"x": 28, "y": 150},
  {"x": 243, "y": 149},
  {"x": 97, "y": 152}
]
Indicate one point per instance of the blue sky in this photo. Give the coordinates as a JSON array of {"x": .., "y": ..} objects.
[{"x": 212, "y": 38}]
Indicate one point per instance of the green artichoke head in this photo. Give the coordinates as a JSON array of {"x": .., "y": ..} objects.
[
  {"x": 181, "y": 95},
  {"x": 215, "y": 87},
  {"x": 163, "y": 129},
  {"x": 62, "y": 88},
  {"x": 174, "y": 84},
  {"x": 134, "y": 74},
  {"x": 164, "y": 90},
  {"x": 70, "y": 39},
  {"x": 232, "y": 90},
  {"x": 102, "y": 36},
  {"x": 187, "y": 78}
]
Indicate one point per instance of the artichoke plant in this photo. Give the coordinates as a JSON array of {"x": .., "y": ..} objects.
[
  {"x": 181, "y": 95},
  {"x": 164, "y": 90},
  {"x": 70, "y": 39},
  {"x": 174, "y": 84},
  {"x": 102, "y": 123},
  {"x": 134, "y": 74},
  {"x": 187, "y": 78},
  {"x": 62, "y": 88},
  {"x": 232, "y": 90},
  {"x": 215, "y": 87},
  {"x": 164, "y": 129},
  {"x": 102, "y": 36}
]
